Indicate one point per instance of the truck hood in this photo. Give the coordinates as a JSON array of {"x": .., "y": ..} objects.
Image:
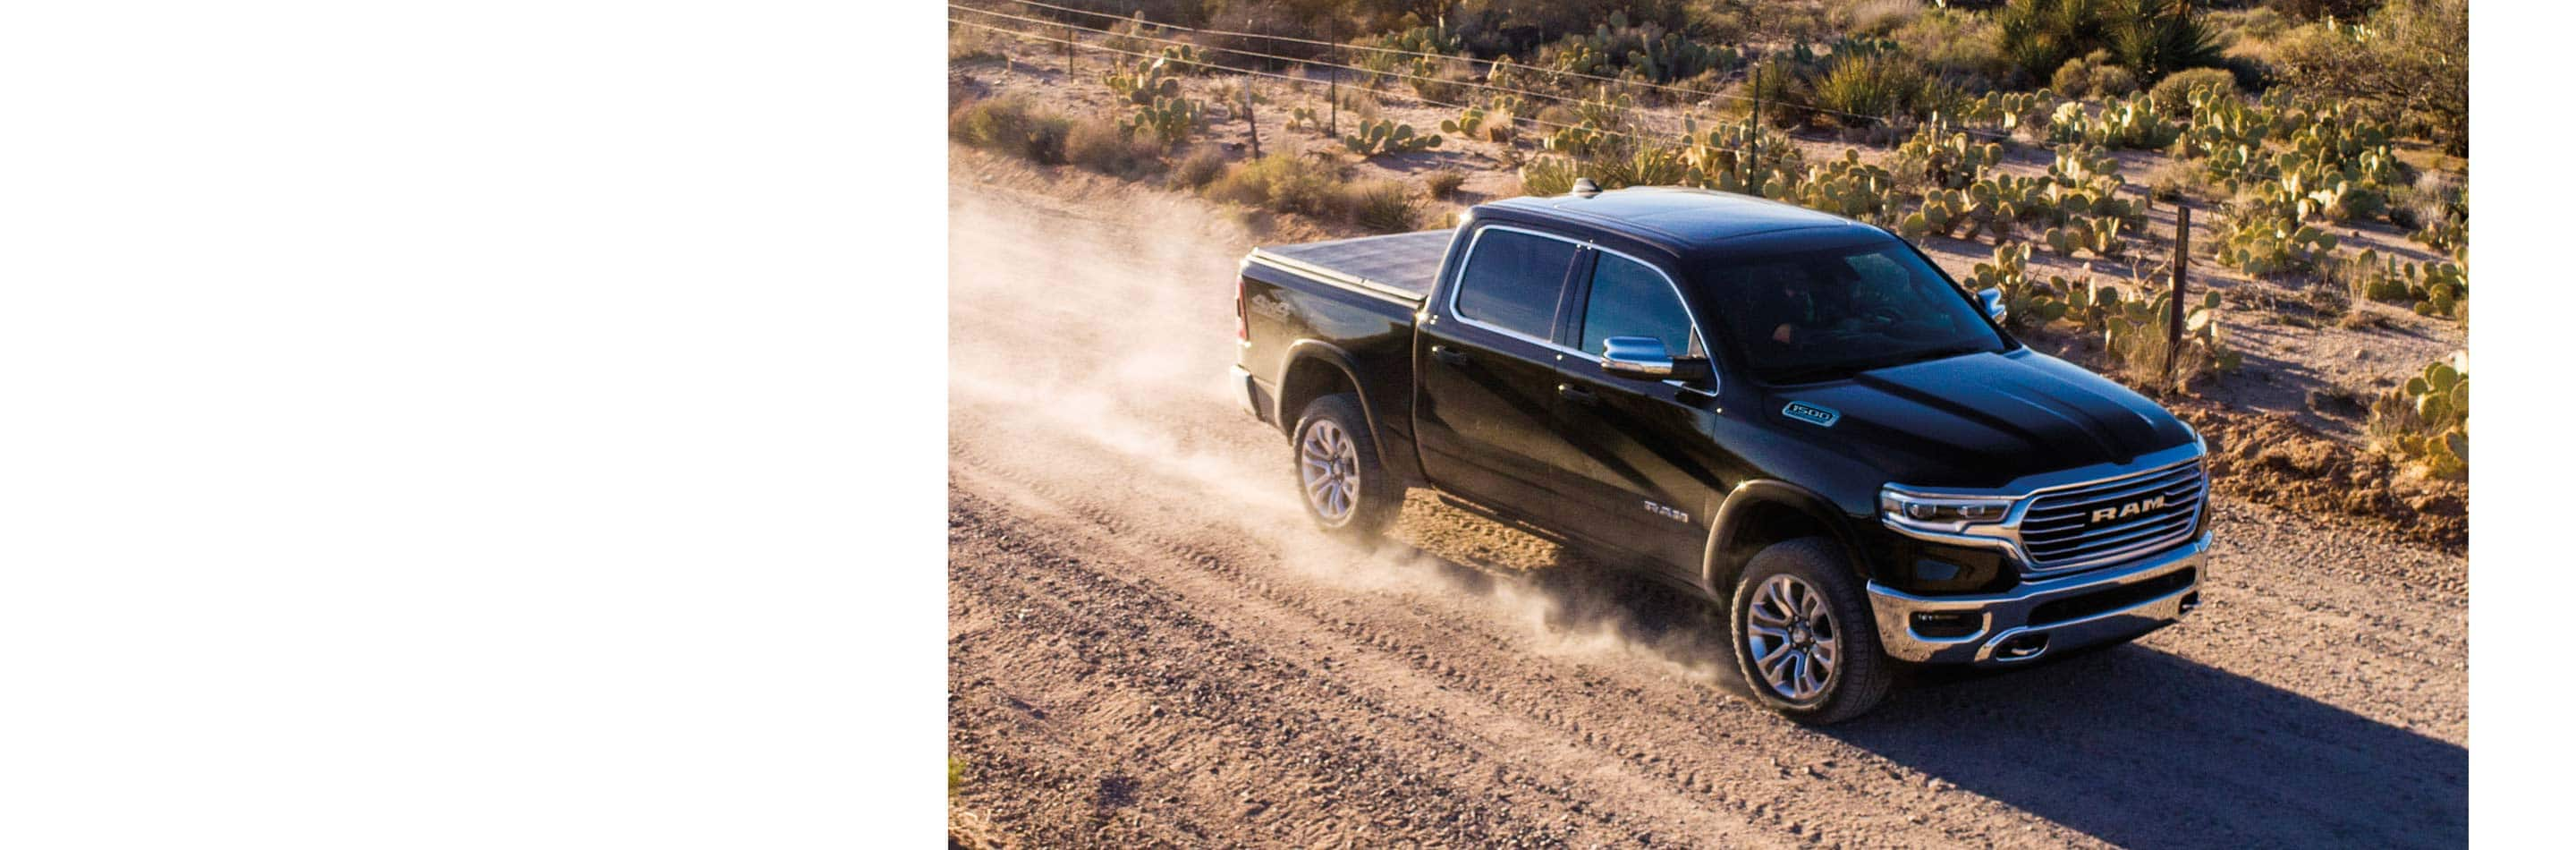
[{"x": 1979, "y": 420}]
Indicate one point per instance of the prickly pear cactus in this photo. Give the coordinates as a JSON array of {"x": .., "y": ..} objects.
[
  {"x": 2428, "y": 419},
  {"x": 1143, "y": 81},
  {"x": 1384, "y": 136},
  {"x": 1475, "y": 122},
  {"x": 1166, "y": 119}
]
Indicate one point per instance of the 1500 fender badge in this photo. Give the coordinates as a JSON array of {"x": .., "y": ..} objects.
[{"x": 1812, "y": 414}]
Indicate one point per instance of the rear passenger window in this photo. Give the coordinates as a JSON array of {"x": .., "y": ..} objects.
[
  {"x": 1630, "y": 298},
  {"x": 1512, "y": 281}
]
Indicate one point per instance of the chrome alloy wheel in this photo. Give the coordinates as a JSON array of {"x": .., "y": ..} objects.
[
  {"x": 1329, "y": 463},
  {"x": 1790, "y": 630}
]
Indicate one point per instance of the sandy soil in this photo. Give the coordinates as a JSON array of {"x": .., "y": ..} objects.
[{"x": 1147, "y": 646}]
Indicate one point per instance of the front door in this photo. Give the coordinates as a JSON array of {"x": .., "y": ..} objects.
[{"x": 1644, "y": 476}]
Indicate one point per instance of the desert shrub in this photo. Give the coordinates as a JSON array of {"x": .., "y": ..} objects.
[
  {"x": 1444, "y": 183},
  {"x": 1782, "y": 87},
  {"x": 1955, "y": 44},
  {"x": 973, "y": 43},
  {"x": 1283, "y": 182},
  {"x": 1873, "y": 17},
  {"x": 2310, "y": 10},
  {"x": 2174, "y": 180},
  {"x": 2173, "y": 93},
  {"x": 1201, "y": 166},
  {"x": 2151, "y": 38},
  {"x": 1011, "y": 126},
  {"x": 1383, "y": 206},
  {"x": 1101, "y": 145},
  {"x": 2093, "y": 75},
  {"x": 1873, "y": 83},
  {"x": 2406, "y": 59}
]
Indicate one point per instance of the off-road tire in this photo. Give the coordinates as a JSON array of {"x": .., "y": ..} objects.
[
  {"x": 1862, "y": 671},
  {"x": 1375, "y": 498}
]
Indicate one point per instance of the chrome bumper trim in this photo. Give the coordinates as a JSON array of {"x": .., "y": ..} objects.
[{"x": 2006, "y": 616}]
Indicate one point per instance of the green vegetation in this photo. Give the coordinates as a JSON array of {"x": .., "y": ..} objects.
[
  {"x": 1377, "y": 138},
  {"x": 2427, "y": 420}
]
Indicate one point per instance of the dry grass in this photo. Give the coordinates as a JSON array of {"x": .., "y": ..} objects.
[
  {"x": 1443, "y": 184},
  {"x": 1197, "y": 168},
  {"x": 1098, "y": 144},
  {"x": 1384, "y": 206},
  {"x": 1011, "y": 125}
]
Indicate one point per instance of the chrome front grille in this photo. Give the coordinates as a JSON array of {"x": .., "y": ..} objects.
[{"x": 2069, "y": 527}]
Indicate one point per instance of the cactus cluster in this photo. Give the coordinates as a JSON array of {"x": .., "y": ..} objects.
[
  {"x": 1644, "y": 51},
  {"x": 2098, "y": 234},
  {"x": 2223, "y": 120},
  {"x": 2009, "y": 111},
  {"x": 1166, "y": 119},
  {"x": 2435, "y": 289},
  {"x": 2130, "y": 122},
  {"x": 2264, "y": 244},
  {"x": 1672, "y": 57},
  {"x": 1144, "y": 80},
  {"x": 1740, "y": 156},
  {"x": 1846, "y": 187},
  {"x": 1476, "y": 122},
  {"x": 1385, "y": 136},
  {"x": 2428, "y": 419},
  {"x": 1943, "y": 159},
  {"x": 2133, "y": 330},
  {"x": 1305, "y": 118}
]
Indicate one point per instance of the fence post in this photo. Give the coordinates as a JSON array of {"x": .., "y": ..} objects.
[
  {"x": 1248, "y": 123},
  {"x": 2181, "y": 267},
  {"x": 1333, "y": 78},
  {"x": 1753, "y": 138},
  {"x": 1068, "y": 53}
]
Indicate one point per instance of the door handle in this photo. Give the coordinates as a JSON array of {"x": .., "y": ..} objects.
[
  {"x": 1449, "y": 355},
  {"x": 1576, "y": 394}
]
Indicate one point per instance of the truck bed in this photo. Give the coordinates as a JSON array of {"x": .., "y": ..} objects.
[{"x": 1399, "y": 266}]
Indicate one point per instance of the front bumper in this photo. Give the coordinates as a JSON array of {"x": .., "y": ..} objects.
[{"x": 2042, "y": 617}]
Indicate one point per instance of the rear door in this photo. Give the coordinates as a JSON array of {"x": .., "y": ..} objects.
[
  {"x": 1644, "y": 473},
  {"x": 1487, "y": 365}
]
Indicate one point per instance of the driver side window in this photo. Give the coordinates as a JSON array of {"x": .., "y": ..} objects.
[{"x": 1629, "y": 298}]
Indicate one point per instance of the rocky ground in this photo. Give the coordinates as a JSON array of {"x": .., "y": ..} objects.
[{"x": 1147, "y": 646}]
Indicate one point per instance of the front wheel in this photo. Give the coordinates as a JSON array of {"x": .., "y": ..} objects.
[
  {"x": 1803, "y": 636},
  {"x": 1346, "y": 492}
]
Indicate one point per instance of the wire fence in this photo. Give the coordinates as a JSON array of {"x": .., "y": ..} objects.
[{"x": 1072, "y": 37}]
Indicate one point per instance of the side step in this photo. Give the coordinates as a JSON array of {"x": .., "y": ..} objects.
[{"x": 1497, "y": 515}]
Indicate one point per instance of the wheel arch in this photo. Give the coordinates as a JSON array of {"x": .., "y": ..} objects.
[{"x": 1756, "y": 514}]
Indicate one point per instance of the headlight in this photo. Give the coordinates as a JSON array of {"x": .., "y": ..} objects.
[{"x": 1941, "y": 513}]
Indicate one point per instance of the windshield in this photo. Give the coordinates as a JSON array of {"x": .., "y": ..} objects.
[{"x": 1823, "y": 314}]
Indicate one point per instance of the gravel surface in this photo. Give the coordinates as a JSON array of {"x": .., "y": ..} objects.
[{"x": 1147, "y": 646}]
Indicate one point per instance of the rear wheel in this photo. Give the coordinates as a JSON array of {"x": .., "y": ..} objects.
[
  {"x": 1803, "y": 636},
  {"x": 1345, "y": 491}
]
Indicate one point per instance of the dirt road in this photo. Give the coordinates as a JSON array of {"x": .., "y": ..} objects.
[{"x": 1148, "y": 647}]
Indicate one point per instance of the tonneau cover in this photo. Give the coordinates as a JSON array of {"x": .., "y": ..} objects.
[{"x": 1396, "y": 265}]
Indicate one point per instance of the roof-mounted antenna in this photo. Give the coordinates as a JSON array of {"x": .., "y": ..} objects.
[{"x": 1585, "y": 188}]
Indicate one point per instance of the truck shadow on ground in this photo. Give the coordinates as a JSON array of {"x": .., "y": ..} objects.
[{"x": 2129, "y": 744}]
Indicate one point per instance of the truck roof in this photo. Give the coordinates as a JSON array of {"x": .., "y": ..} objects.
[{"x": 1684, "y": 221}]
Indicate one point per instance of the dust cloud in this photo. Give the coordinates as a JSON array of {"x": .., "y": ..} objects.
[{"x": 1088, "y": 341}]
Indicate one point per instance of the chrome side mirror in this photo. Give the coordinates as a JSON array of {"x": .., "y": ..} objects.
[
  {"x": 1644, "y": 358},
  {"x": 1993, "y": 298}
]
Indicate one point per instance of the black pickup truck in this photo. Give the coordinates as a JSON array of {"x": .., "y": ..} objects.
[{"x": 1796, "y": 415}]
